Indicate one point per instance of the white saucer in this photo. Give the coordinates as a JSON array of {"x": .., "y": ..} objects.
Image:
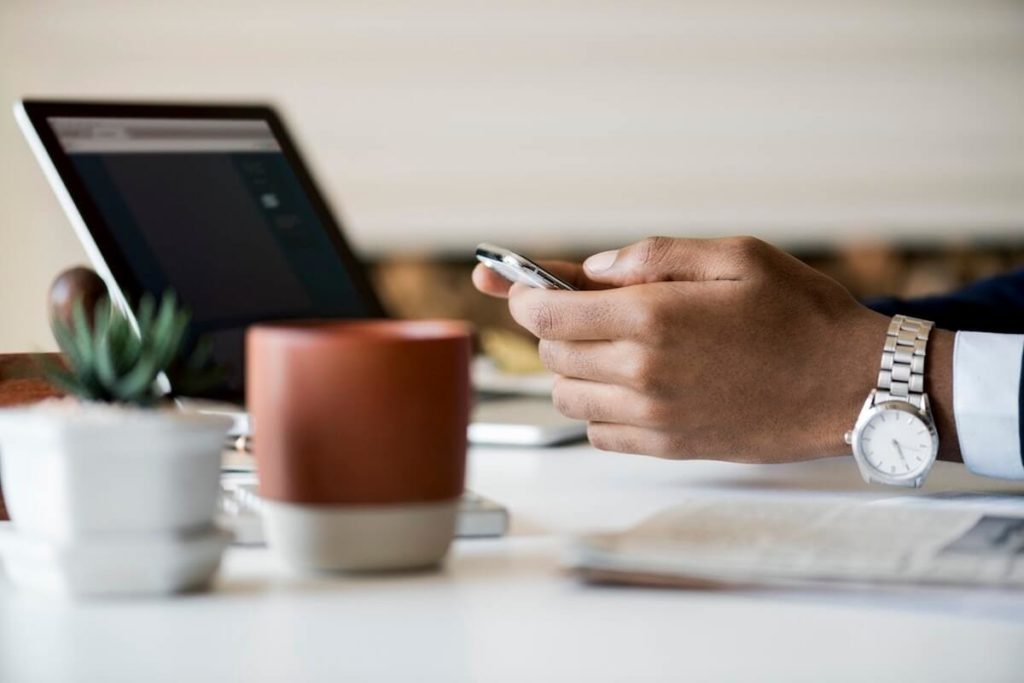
[{"x": 112, "y": 565}]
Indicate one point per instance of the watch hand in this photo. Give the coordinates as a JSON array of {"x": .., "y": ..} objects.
[{"x": 899, "y": 451}]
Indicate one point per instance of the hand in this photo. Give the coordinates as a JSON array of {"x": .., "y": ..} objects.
[{"x": 726, "y": 349}]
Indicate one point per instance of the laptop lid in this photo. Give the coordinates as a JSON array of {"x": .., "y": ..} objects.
[{"x": 213, "y": 202}]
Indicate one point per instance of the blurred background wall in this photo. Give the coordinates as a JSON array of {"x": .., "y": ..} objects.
[{"x": 865, "y": 135}]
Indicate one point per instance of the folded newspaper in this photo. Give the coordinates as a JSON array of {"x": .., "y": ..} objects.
[{"x": 705, "y": 543}]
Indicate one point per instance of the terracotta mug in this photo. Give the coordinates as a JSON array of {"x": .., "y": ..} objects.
[{"x": 359, "y": 434}]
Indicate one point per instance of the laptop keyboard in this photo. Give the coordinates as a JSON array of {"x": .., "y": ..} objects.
[{"x": 240, "y": 507}]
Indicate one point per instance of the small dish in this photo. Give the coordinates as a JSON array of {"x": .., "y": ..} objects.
[{"x": 112, "y": 565}]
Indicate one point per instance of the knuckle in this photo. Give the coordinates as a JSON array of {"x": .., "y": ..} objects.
[
  {"x": 561, "y": 397},
  {"x": 598, "y": 437},
  {"x": 746, "y": 247},
  {"x": 549, "y": 354},
  {"x": 653, "y": 320},
  {"x": 652, "y": 249},
  {"x": 642, "y": 372},
  {"x": 571, "y": 402},
  {"x": 601, "y": 437},
  {"x": 565, "y": 359},
  {"x": 667, "y": 446},
  {"x": 541, "y": 319},
  {"x": 655, "y": 413}
]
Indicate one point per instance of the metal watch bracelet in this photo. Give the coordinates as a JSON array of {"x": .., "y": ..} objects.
[{"x": 903, "y": 356}]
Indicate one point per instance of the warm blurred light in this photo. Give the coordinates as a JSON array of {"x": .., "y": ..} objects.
[
  {"x": 438, "y": 123},
  {"x": 570, "y": 125}
]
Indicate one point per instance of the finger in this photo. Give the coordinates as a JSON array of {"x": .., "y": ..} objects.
[
  {"x": 490, "y": 282},
  {"x": 597, "y": 361},
  {"x": 621, "y": 438},
  {"x": 598, "y": 402},
  {"x": 660, "y": 259},
  {"x": 556, "y": 314}
]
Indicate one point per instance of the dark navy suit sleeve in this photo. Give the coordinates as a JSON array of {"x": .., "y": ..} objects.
[{"x": 995, "y": 304}]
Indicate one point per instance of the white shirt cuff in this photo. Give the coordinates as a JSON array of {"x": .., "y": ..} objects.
[{"x": 986, "y": 402}]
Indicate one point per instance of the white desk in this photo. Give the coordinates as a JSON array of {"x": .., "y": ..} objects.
[{"x": 501, "y": 610}]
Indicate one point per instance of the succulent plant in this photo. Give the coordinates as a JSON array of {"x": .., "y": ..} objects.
[{"x": 109, "y": 362}]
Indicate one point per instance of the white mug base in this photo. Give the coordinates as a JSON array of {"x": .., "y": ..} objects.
[{"x": 360, "y": 537}]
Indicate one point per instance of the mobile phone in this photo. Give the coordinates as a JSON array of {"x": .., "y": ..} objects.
[{"x": 517, "y": 268}]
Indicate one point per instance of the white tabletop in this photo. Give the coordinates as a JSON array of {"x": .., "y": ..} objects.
[{"x": 503, "y": 610}]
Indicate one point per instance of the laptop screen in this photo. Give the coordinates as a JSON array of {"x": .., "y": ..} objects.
[{"x": 213, "y": 209}]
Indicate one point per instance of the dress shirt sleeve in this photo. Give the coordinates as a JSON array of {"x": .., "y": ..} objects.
[{"x": 987, "y": 402}]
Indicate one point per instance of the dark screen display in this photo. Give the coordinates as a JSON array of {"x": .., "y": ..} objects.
[{"x": 231, "y": 231}]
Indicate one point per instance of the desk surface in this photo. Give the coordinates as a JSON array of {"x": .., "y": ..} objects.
[{"x": 501, "y": 610}]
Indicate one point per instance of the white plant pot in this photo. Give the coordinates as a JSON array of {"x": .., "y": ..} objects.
[
  {"x": 75, "y": 474},
  {"x": 142, "y": 564}
]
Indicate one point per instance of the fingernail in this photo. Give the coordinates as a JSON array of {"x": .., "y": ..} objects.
[{"x": 602, "y": 261}]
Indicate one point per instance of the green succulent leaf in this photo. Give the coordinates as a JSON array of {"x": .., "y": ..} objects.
[
  {"x": 113, "y": 362},
  {"x": 83, "y": 340},
  {"x": 144, "y": 314},
  {"x": 65, "y": 338}
]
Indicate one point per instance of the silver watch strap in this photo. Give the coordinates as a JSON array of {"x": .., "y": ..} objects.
[{"x": 902, "y": 375}]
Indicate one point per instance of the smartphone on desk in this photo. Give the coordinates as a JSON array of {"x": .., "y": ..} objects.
[{"x": 517, "y": 268}]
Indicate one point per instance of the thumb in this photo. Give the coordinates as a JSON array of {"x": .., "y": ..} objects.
[{"x": 666, "y": 259}]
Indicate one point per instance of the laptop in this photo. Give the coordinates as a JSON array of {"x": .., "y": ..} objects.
[{"x": 216, "y": 203}]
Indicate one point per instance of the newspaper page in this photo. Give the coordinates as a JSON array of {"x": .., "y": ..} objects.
[{"x": 763, "y": 541}]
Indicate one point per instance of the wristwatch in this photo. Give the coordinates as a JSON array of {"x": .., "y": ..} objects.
[{"x": 894, "y": 440}]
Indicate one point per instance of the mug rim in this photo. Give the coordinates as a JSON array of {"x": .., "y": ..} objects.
[{"x": 428, "y": 329}]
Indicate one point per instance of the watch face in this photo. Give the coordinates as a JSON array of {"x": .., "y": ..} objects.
[{"x": 896, "y": 442}]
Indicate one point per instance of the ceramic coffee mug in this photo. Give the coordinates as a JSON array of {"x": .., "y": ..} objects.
[{"x": 359, "y": 433}]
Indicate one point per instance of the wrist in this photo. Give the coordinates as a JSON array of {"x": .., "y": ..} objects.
[
  {"x": 852, "y": 374},
  {"x": 938, "y": 384},
  {"x": 858, "y": 373}
]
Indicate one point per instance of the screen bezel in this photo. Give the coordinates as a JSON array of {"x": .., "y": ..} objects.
[{"x": 129, "y": 289}]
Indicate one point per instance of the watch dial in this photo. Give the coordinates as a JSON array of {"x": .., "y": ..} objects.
[{"x": 897, "y": 443}]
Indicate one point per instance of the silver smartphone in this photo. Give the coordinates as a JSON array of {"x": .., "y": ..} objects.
[{"x": 517, "y": 268}]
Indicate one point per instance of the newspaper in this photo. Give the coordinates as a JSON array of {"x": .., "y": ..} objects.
[{"x": 707, "y": 542}]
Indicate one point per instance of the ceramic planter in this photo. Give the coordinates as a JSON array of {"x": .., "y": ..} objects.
[
  {"x": 360, "y": 440},
  {"x": 94, "y": 489}
]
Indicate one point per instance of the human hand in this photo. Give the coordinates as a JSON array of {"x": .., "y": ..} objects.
[{"x": 727, "y": 349}]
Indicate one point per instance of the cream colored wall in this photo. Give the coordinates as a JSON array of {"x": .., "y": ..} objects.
[{"x": 579, "y": 123}]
